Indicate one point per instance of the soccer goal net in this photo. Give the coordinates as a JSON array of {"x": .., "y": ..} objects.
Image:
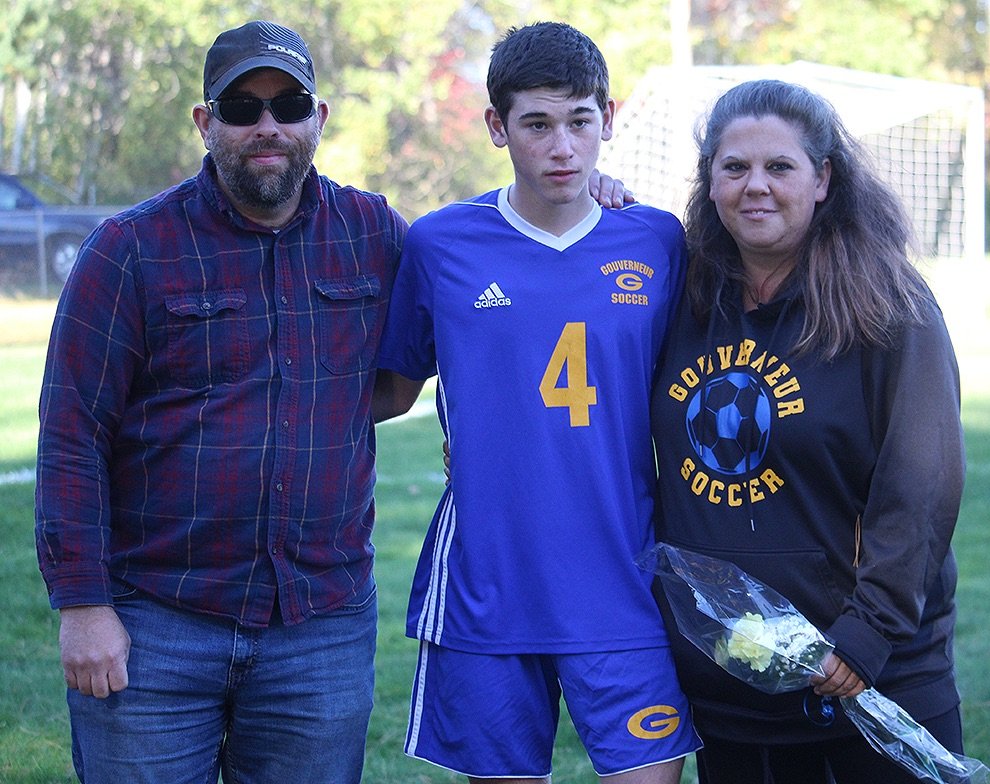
[{"x": 926, "y": 139}]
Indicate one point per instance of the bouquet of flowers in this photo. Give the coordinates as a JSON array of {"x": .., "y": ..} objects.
[{"x": 758, "y": 636}]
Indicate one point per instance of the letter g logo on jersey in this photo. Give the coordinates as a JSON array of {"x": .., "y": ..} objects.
[
  {"x": 653, "y": 723},
  {"x": 629, "y": 281}
]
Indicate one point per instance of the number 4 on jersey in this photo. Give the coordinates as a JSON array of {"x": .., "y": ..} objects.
[{"x": 576, "y": 396}]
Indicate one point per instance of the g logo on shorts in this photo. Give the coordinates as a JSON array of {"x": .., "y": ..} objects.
[{"x": 644, "y": 724}]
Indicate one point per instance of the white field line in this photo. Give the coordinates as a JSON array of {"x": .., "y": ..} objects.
[{"x": 21, "y": 477}]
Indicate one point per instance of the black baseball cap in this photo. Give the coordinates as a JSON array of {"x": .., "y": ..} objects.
[{"x": 256, "y": 45}]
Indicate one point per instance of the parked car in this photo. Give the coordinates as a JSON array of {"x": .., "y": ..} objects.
[{"x": 29, "y": 224}]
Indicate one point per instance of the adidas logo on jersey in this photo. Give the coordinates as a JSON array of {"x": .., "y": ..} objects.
[{"x": 492, "y": 297}]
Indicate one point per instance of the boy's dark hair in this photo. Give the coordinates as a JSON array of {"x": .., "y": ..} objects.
[{"x": 545, "y": 54}]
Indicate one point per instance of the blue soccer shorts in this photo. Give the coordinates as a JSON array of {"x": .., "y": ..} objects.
[{"x": 496, "y": 716}]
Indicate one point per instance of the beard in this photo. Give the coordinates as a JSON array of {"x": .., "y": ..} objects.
[{"x": 266, "y": 189}]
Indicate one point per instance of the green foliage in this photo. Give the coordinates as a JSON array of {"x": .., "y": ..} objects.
[
  {"x": 929, "y": 39},
  {"x": 632, "y": 34},
  {"x": 98, "y": 93},
  {"x": 883, "y": 38},
  {"x": 408, "y": 105},
  {"x": 101, "y": 76}
]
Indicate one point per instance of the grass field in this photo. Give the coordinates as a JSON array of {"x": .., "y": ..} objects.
[{"x": 34, "y": 744}]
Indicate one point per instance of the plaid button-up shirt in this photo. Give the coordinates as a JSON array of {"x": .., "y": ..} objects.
[{"x": 206, "y": 433}]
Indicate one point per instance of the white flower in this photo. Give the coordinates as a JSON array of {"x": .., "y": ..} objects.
[
  {"x": 780, "y": 652},
  {"x": 750, "y": 641}
]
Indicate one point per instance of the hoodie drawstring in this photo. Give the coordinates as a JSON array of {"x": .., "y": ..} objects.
[{"x": 709, "y": 362}]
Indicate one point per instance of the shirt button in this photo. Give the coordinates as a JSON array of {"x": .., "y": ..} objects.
[
  {"x": 278, "y": 486},
  {"x": 288, "y": 360},
  {"x": 285, "y": 423},
  {"x": 285, "y": 300},
  {"x": 275, "y": 549},
  {"x": 207, "y": 305}
]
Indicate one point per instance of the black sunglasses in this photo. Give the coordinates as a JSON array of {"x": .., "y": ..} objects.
[{"x": 246, "y": 110}]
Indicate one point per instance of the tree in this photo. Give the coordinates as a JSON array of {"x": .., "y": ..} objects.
[
  {"x": 97, "y": 94},
  {"x": 916, "y": 38},
  {"x": 98, "y": 78}
]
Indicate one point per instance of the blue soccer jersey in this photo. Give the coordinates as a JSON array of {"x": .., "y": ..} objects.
[{"x": 544, "y": 348}]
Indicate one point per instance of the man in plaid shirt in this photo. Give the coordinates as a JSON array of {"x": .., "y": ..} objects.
[{"x": 206, "y": 457}]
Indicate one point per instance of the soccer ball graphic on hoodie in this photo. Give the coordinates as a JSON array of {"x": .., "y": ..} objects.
[{"x": 728, "y": 422}]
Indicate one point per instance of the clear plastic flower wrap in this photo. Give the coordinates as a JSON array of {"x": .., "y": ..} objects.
[
  {"x": 758, "y": 636},
  {"x": 745, "y": 626},
  {"x": 892, "y": 732}
]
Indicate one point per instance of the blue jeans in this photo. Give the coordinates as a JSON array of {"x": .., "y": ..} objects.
[{"x": 206, "y": 695}]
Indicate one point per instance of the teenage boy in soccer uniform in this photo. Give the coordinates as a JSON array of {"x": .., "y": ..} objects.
[{"x": 542, "y": 315}]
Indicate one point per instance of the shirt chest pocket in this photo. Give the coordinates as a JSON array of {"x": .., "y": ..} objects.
[
  {"x": 207, "y": 337},
  {"x": 348, "y": 315}
]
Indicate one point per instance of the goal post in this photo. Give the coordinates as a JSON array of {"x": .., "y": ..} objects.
[{"x": 926, "y": 138}]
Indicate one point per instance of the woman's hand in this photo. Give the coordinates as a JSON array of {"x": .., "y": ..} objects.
[{"x": 840, "y": 680}]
